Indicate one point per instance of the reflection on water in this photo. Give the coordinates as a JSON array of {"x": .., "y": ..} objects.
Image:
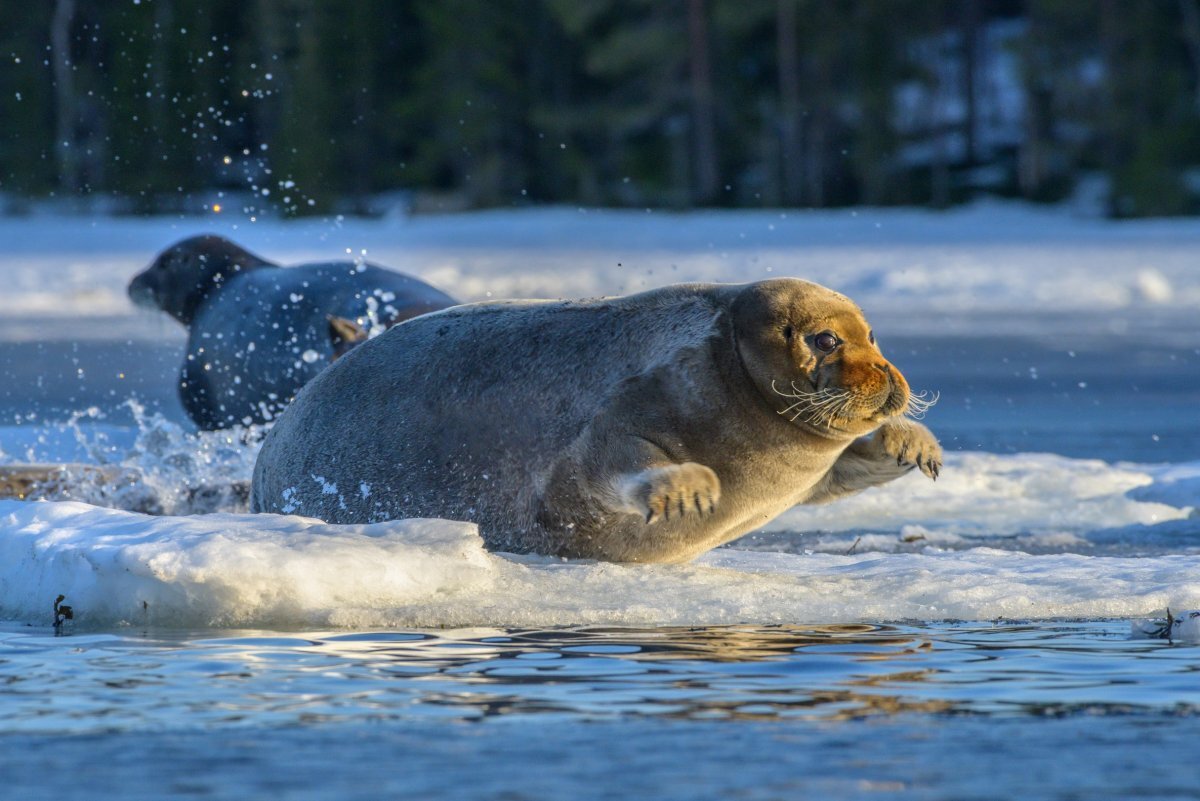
[{"x": 109, "y": 683}]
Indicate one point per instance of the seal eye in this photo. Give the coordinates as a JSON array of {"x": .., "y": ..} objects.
[
  {"x": 787, "y": 333},
  {"x": 825, "y": 341}
]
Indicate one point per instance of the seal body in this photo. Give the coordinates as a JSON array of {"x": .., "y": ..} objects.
[
  {"x": 646, "y": 428},
  {"x": 257, "y": 331}
]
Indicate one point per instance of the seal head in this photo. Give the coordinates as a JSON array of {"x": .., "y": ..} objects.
[
  {"x": 811, "y": 354},
  {"x": 188, "y": 273}
]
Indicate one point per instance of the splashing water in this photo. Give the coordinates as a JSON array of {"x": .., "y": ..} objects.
[{"x": 165, "y": 470}]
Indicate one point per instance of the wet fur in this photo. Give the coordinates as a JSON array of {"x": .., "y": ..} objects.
[{"x": 250, "y": 322}]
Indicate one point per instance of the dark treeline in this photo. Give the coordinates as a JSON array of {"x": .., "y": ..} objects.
[{"x": 299, "y": 106}]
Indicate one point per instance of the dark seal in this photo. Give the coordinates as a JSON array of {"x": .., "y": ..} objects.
[
  {"x": 645, "y": 428},
  {"x": 258, "y": 331}
]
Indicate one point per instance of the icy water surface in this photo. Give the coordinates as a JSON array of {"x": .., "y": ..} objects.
[{"x": 967, "y": 710}]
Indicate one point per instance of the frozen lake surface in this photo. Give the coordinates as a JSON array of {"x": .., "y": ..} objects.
[{"x": 964, "y": 639}]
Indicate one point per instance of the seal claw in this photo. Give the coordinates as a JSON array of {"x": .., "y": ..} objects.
[{"x": 683, "y": 488}]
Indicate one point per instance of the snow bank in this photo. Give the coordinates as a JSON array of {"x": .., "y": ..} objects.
[
  {"x": 277, "y": 572},
  {"x": 1044, "y": 499},
  {"x": 117, "y": 566}
]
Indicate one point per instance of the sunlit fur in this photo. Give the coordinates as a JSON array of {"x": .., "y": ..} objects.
[{"x": 648, "y": 428}]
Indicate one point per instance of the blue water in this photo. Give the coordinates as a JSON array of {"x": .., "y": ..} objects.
[
  {"x": 1004, "y": 710},
  {"x": 945, "y": 710}
]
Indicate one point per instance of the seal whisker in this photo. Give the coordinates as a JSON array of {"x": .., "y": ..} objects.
[
  {"x": 818, "y": 407},
  {"x": 822, "y": 411},
  {"x": 793, "y": 406},
  {"x": 835, "y": 412},
  {"x": 820, "y": 396},
  {"x": 833, "y": 400},
  {"x": 919, "y": 403}
]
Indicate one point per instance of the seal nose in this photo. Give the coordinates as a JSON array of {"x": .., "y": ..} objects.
[
  {"x": 141, "y": 292},
  {"x": 889, "y": 375}
]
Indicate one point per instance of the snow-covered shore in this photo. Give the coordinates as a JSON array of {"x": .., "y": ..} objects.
[
  {"x": 277, "y": 572},
  {"x": 984, "y": 262}
]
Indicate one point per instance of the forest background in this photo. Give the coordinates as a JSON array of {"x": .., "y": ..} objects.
[{"x": 292, "y": 107}]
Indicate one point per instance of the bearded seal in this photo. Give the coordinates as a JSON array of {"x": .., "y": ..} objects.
[
  {"x": 258, "y": 331},
  {"x": 647, "y": 428}
]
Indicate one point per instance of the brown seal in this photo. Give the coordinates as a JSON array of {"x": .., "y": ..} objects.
[{"x": 644, "y": 428}]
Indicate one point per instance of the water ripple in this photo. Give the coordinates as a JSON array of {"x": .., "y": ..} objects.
[{"x": 101, "y": 683}]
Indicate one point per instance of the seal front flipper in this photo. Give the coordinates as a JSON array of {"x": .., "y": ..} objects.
[
  {"x": 344, "y": 334},
  {"x": 660, "y": 493},
  {"x": 198, "y": 398},
  {"x": 910, "y": 444},
  {"x": 892, "y": 451},
  {"x": 620, "y": 496}
]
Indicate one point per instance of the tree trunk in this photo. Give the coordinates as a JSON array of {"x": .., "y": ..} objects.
[
  {"x": 703, "y": 116},
  {"x": 361, "y": 158},
  {"x": 1031, "y": 160},
  {"x": 1191, "y": 37},
  {"x": 789, "y": 101},
  {"x": 970, "y": 44},
  {"x": 160, "y": 67},
  {"x": 64, "y": 93},
  {"x": 1110, "y": 48},
  {"x": 939, "y": 167}
]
